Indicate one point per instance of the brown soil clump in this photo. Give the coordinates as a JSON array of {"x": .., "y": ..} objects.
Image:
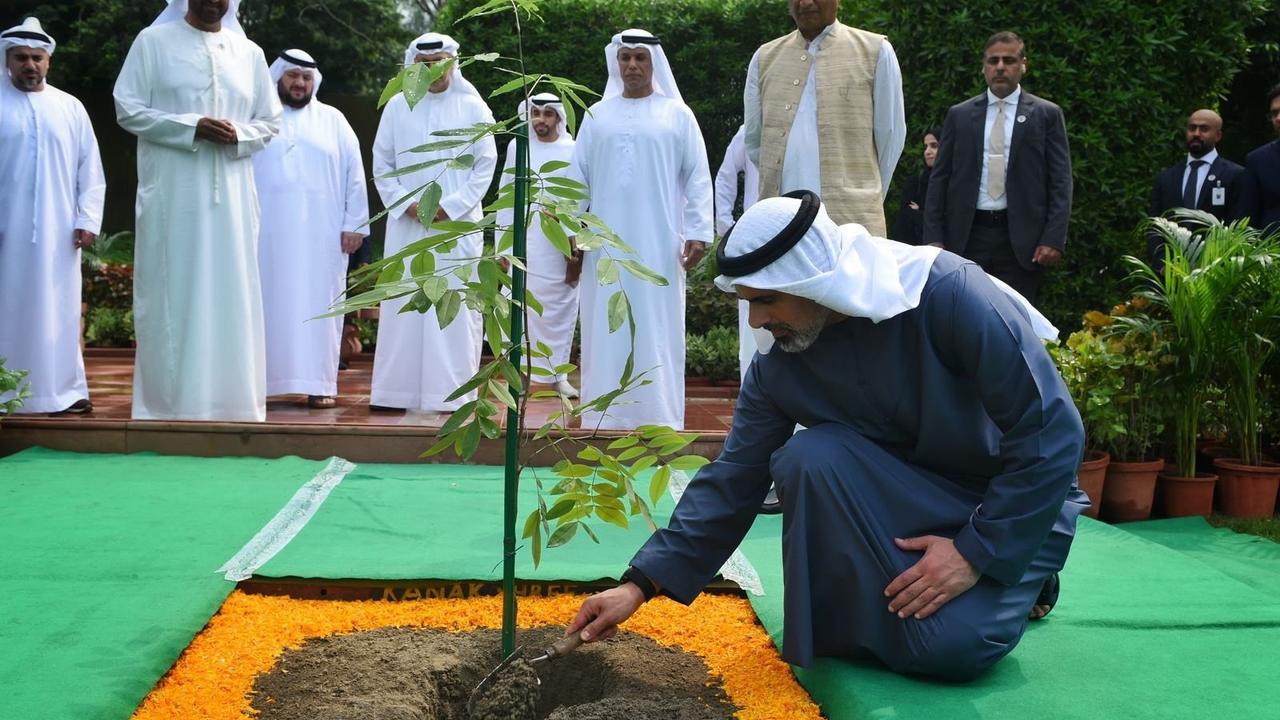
[{"x": 417, "y": 674}]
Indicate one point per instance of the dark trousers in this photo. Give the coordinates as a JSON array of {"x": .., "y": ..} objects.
[
  {"x": 990, "y": 248},
  {"x": 844, "y": 500}
]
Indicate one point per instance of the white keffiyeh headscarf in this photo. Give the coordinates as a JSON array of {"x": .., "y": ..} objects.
[
  {"x": 29, "y": 34},
  {"x": 177, "y": 12},
  {"x": 550, "y": 100},
  {"x": 295, "y": 59},
  {"x": 843, "y": 268},
  {"x": 429, "y": 43},
  {"x": 664, "y": 82}
]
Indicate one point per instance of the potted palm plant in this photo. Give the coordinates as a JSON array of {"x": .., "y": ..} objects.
[
  {"x": 1247, "y": 339},
  {"x": 1202, "y": 261}
]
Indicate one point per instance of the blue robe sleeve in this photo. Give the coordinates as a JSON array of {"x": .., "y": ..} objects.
[
  {"x": 722, "y": 500},
  {"x": 980, "y": 333}
]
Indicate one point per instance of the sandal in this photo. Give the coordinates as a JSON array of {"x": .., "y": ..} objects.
[
  {"x": 322, "y": 402},
  {"x": 1048, "y": 595}
]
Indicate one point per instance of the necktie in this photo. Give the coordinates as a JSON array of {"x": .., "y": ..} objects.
[
  {"x": 996, "y": 154},
  {"x": 1189, "y": 191}
]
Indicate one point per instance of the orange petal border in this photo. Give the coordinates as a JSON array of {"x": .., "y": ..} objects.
[{"x": 213, "y": 677}]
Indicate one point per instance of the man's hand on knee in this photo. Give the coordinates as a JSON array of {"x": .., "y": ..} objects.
[
  {"x": 941, "y": 575},
  {"x": 600, "y": 614}
]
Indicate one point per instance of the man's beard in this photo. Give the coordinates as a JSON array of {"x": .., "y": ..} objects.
[
  {"x": 27, "y": 84},
  {"x": 287, "y": 99},
  {"x": 542, "y": 130},
  {"x": 1198, "y": 149},
  {"x": 798, "y": 339}
]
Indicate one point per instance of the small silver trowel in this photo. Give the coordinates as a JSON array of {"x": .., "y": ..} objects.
[{"x": 557, "y": 649}]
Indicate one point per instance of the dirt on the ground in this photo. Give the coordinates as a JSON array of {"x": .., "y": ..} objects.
[{"x": 416, "y": 674}]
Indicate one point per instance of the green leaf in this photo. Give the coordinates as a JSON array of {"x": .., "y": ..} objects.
[
  {"x": 567, "y": 193},
  {"x": 612, "y": 516},
  {"x": 590, "y": 454},
  {"x": 530, "y": 524},
  {"x": 623, "y": 443},
  {"x": 441, "y": 445},
  {"x": 423, "y": 264},
  {"x": 643, "y": 464},
  {"x": 486, "y": 57},
  {"x": 643, "y": 272},
  {"x": 555, "y": 233},
  {"x": 606, "y": 271},
  {"x": 438, "y": 145},
  {"x": 658, "y": 484},
  {"x": 562, "y": 506},
  {"x": 619, "y": 310},
  {"x": 687, "y": 463},
  {"x": 447, "y": 307},
  {"x": 470, "y": 441},
  {"x": 536, "y": 545},
  {"x": 462, "y": 162},
  {"x": 562, "y": 535},
  {"x": 458, "y": 417},
  {"x": 576, "y": 470},
  {"x": 391, "y": 273},
  {"x": 551, "y": 166},
  {"x": 429, "y": 203},
  {"x": 501, "y": 393},
  {"x": 515, "y": 84},
  {"x": 392, "y": 89},
  {"x": 489, "y": 8},
  {"x": 590, "y": 533},
  {"x": 631, "y": 454},
  {"x": 490, "y": 272},
  {"x": 435, "y": 287}
]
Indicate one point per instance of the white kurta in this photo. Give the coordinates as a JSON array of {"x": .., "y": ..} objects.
[
  {"x": 547, "y": 264},
  {"x": 417, "y": 365},
  {"x": 646, "y": 166},
  {"x": 53, "y": 185},
  {"x": 736, "y": 161},
  {"x": 197, "y": 305},
  {"x": 311, "y": 188}
]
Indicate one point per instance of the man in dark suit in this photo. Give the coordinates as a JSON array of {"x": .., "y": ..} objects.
[
  {"x": 1000, "y": 193},
  {"x": 1203, "y": 181},
  {"x": 1264, "y": 164}
]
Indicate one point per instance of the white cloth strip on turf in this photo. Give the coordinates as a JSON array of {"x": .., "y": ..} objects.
[
  {"x": 275, "y": 535},
  {"x": 738, "y": 568}
]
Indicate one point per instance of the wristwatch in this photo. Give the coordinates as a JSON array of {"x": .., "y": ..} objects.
[{"x": 646, "y": 585}]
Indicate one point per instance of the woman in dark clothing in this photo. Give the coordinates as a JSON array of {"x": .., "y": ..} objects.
[{"x": 909, "y": 227}]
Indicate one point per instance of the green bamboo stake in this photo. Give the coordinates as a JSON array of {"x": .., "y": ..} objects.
[{"x": 511, "y": 484}]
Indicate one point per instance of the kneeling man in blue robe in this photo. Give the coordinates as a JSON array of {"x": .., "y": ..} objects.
[{"x": 931, "y": 499}]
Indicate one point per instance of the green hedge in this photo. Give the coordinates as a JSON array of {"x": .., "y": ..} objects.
[{"x": 1125, "y": 72}]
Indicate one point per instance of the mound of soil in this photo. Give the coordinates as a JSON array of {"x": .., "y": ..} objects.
[{"x": 416, "y": 674}]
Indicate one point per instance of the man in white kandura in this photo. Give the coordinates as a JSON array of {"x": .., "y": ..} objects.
[
  {"x": 736, "y": 161},
  {"x": 641, "y": 154},
  {"x": 198, "y": 95},
  {"x": 314, "y": 205},
  {"x": 50, "y": 208},
  {"x": 417, "y": 364},
  {"x": 550, "y": 142}
]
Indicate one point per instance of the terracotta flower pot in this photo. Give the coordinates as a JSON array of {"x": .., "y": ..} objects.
[
  {"x": 1180, "y": 496},
  {"x": 1092, "y": 478},
  {"x": 1247, "y": 490},
  {"x": 1129, "y": 490}
]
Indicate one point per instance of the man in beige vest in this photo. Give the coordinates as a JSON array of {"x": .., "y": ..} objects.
[{"x": 823, "y": 111}]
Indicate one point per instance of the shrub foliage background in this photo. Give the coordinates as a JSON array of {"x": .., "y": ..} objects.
[{"x": 1125, "y": 75}]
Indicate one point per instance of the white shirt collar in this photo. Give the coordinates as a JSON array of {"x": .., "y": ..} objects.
[
  {"x": 817, "y": 40},
  {"x": 1208, "y": 158},
  {"x": 1012, "y": 99}
]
